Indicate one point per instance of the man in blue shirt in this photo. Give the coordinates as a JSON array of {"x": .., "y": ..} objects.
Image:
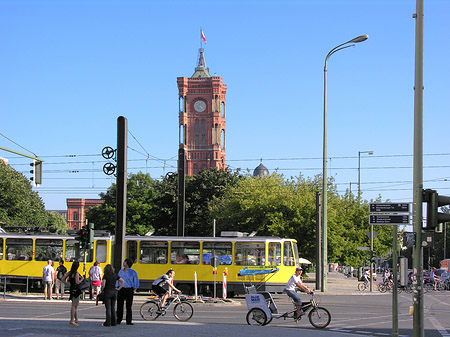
[{"x": 126, "y": 294}]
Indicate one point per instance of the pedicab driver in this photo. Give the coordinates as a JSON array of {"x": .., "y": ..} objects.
[{"x": 296, "y": 282}]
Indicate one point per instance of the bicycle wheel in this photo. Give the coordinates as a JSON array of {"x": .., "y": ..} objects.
[
  {"x": 183, "y": 311},
  {"x": 381, "y": 287},
  {"x": 148, "y": 311},
  {"x": 428, "y": 287},
  {"x": 361, "y": 286},
  {"x": 319, "y": 317},
  {"x": 256, "y": 316}
]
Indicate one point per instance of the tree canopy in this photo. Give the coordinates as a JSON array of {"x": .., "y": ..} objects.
[{"x": 20, "y": 206}]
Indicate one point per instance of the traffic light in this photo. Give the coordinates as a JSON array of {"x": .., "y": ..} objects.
[
  {"x": 90, "y": 236},
  {"x": 83, "y": 236},
  {"x": 37, "y": 172},
  {"x": 434, "y": 201}
]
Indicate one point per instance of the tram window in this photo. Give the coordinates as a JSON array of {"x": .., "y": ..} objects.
[
  {"x": 19, "y": 249},
  {"x": 288, "y": 254},
  {"x": 100, "y": 252},
  {"x": 74, "y": 253},
  {"x": 274, "y": 253},
  {"x": 185, "y": 252},
  {"x": 222, "y": 250},
  {"x": 132, "y": 250},
  {"x": 47, "y": 249},
  {"x": 1, "y": 248},
  {"x": 249, "y": 253},
  {"x": 153, "y": 252},
  {"x": 295, "y": 253}
]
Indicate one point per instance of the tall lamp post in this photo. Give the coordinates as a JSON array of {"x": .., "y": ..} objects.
[
  {"x": 371, "y": 225},
  {"x": 324, "y": 262}
]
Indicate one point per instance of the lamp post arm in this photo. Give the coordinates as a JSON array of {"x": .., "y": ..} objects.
[{"x": 334, "y": 50}]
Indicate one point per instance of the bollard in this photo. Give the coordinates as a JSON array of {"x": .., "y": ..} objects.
[
  {"x": 195, "y": 286},
  {"x": 224, "y": 286}
]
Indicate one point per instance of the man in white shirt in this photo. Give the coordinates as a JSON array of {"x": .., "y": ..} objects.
[
  {"x": 47, "y": 279},
  {"x": 296, "y": 282}
]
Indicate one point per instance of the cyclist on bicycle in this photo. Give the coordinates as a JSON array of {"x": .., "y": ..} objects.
[
  {"x": 387, "y": 276},
  {"x": 161, "y": 286},
  {"x": 296, "y": 282},
  {"x": 366, "y": 276}
]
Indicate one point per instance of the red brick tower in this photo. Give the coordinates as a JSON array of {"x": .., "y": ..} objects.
[{"x": 202, "y": 119}]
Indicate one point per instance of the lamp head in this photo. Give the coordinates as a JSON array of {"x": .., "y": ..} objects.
[{"x": 360, "y": 38}]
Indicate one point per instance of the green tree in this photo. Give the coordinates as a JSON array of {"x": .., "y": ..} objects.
[
  {"x": 19, "y": 204},
  {"x": 140, "y": 192},
  {"x": 200, "y": 190},
  {"x": 56, "y": 223}
]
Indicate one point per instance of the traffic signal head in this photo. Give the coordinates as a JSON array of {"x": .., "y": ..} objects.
[
  {"x": 434, "y": 202},
  {"x": 37, "y": 172},
  {"x": 90, "y": 236}
]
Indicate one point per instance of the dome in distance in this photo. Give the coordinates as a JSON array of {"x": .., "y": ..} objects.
[{"x": 261, "y": 171}]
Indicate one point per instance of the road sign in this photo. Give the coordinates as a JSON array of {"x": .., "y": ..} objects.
[
  {"x": 374, "y": 234},
  {"x": 388, "y": 219},
  {"x": 362, "y": 248},
  {"x": 389, "y": 207}
]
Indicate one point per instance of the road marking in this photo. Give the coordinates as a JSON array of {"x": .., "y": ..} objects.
[{"x": 438, "y": 326}]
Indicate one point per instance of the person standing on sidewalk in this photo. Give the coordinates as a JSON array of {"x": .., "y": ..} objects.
[
  {"x": 48, "y": 275},
  {"x": 60, "y": 272},
  {"x": 74, "y": 278},
  {"x": 109, "y": 290},
  {"x": 95, "y": 273},
  {"x": 126, "y": 294}
]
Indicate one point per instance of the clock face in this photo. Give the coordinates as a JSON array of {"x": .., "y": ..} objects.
[{"x": 199, "y": 106}]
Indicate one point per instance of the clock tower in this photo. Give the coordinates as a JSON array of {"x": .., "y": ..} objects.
[{"x": 201, "y": 101}]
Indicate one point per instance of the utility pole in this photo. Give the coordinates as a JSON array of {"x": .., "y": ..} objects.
[
  {"x": 418, "y": 318},
  {"x": 121, "y": 193}
]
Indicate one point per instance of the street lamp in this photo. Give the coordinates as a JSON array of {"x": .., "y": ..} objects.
[
  {"x": 371, "y": 225},
  {"x": 324, "y": 174}
]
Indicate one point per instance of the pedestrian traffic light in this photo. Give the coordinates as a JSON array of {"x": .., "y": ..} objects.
[
  {"x": 434, "y": 202},
  {"x": 37, "y": 172}
]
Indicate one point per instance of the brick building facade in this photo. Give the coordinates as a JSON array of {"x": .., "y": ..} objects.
[{"x": 76, "y": 211}]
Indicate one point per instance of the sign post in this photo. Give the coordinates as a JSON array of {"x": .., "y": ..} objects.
[{"x": 388, "y": 214}]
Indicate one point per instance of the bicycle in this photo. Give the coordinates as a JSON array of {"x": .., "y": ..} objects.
[
  {"x": 262, "y": 309},
  {"x": 152, "y": 309},
  {"x": 363, "y": 285}
]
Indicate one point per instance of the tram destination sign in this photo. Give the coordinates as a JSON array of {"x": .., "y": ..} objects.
[
  {"x": 388, "y": 219},
  {"x": 389, "y": 207}
]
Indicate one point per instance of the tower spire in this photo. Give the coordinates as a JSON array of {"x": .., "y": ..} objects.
[{"x": 201, "y": 70}]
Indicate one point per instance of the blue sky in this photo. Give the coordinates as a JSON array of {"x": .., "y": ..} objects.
[{"x": 70, "y": 68}]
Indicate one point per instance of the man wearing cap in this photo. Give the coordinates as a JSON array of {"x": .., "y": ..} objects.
[{"x": 296, "y": 282}]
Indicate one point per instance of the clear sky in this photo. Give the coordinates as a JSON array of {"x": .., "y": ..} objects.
[{"x": 69, "y": 68}]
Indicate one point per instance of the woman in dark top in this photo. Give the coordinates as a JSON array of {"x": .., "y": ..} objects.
[
  {"x": 110, "y": 290},
  {"x": 74, "y": 278}
]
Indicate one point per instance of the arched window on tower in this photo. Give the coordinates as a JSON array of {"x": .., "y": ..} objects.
[
  {"x": 181, "y": 104},
  {"x": 203, "y": 132},
  {"x": 223, "y": 139},
  {"x": 223, "y": 109},
  {"x": 181, "y": 134},
  {"x": 195, "y": 169},
  {"x": 75, "y": 216},
  {"x": 197, "y": 133}
]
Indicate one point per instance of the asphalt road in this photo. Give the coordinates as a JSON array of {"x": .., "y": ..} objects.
[{"x": 353, "y": 314}]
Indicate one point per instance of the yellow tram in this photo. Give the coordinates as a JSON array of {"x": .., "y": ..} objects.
[{"x": 25, "y": 255}]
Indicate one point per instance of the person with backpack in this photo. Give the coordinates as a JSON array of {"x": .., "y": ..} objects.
[
  {"x": 95, "y": 273},
  {"x": 59, "y": 284},
  {"x": 48, "y": 274}
]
